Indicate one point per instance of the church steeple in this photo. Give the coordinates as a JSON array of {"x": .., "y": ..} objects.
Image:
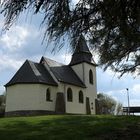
[{"x": 81, "y": 53}]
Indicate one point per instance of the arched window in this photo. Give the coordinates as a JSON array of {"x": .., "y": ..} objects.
[
  {"x": 69, "y": 95},
  {"x": 90, "y": 77},
  {"x": 81, "y": 97},
  {"x": 48, "y": 95}
]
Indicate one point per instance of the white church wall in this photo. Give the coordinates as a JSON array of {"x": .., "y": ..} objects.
[
  {"x": 91, "y": 90},
  {"x": 79, "y": 70},
  {"x": 48, "y": 105},
  {"x": 82, "y": 70},
  {"x": 75, "y": 107},
  {"x": 22, "y": 97},
  {"x": 31, "y": 97}
]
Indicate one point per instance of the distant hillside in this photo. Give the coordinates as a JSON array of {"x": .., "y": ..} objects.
[{"x": 66, "y": 127}]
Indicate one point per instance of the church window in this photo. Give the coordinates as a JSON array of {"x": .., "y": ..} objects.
[
  {"x": 81, "y": 97},
  {"x": 90, "y": 77},
  {"x": 69, "y": 95},
  {"x": 48, "y": 95}
]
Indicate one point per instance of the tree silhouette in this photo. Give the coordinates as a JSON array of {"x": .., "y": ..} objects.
[{"x": 112, "y": 27}]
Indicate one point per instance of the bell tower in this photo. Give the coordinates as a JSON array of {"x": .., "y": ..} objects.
[
  {"x": 84, "y": 66},
  {"x": 80, "y": 57}
]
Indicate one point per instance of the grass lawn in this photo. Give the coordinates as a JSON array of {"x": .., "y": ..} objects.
[{"x": 65, "y": 127}]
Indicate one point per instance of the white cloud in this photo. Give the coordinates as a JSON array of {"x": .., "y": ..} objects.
[
  {"x": 135, "y": 102},
  {"x": 121, "y": 95},
  {"x": 63, "y": 58},
  {"x": 75, "y": 1},
  {"x": 112, "y": 73},
  {"x": 15, "y": 38},
  {"x": 9, "y": 63},
  {"x": 14, "y": 43},
  {"x": 117, "y": 94},
  {"x": 136, "y": 89},
  {"x": 66, "y": 58}
]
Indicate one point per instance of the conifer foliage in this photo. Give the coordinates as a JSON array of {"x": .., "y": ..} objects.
[{"x": 112, "y": 27}]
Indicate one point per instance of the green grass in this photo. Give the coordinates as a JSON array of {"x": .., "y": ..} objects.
[{"x": 67, "y": 127}]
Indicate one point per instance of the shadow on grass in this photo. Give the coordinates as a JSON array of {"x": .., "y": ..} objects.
[{"x": 70, "y": 128}]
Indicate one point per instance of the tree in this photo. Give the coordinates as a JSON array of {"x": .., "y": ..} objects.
[
  {"x": 112, "y": 27},
  {"x": 2, "y": 105},
  {"x": 107, "y": 105},
  {"x": 2, "y": 99},
  {"x": 119, "y": 109}
]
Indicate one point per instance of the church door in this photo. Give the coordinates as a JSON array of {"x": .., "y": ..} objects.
[
  {"x": 60, "y": 107},
  {"x": 88, "y": 111}
]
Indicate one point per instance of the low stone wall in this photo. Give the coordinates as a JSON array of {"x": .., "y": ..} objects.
[
  {"x": 29, "y": 113},
  {"x": 34, "y": 113}
]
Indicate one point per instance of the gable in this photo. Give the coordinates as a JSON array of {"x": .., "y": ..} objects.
[
  {"x": 31, "y": 72},
  {"x": 63, "y": 73}
]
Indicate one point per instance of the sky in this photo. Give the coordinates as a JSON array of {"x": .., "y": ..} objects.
[{"x": 24, "y": 41}]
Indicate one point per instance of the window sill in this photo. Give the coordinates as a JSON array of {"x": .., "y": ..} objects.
[
  {"x": 69, "y": 101},
  {"x": 49, "y": 100},
  {"x": 92, "y": 83}
]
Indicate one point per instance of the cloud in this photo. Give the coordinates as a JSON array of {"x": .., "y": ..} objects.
[
  {"x": 15, "y": 38},
  {"x": 135, "y": 102},
  {"x": 15, "y": 47},
  {"x": 121, "y": 95},
  {"x": 14, "y": 44},
  {"x": 9, "y": 63},
  {"x": 62, "y": 58},
  {"x": 109, "y": 83},
  {"x": 75, "y": 1},
  {"x": 18, "y": 37},
  {"x": 136, "y": 89}
]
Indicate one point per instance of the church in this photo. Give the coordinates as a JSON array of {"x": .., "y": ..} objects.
[{"x": 49, "y": 87}]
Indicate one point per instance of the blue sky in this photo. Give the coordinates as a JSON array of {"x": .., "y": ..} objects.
[{"x": 23, "y": 41}]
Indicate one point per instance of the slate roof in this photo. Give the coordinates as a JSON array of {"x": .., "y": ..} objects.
[
  {"x": 81, "y": 53},
  {"x": 64, "y": 73},
  {"x": 31, "y": 72}
]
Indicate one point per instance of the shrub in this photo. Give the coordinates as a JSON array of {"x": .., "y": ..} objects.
[{"x": 2, "y": 111}]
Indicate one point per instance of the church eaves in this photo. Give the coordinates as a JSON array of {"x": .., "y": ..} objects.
[{"x": 32, "y": 73}]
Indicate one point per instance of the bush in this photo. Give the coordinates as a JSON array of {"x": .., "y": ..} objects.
[{"x": 2, "y": 111}]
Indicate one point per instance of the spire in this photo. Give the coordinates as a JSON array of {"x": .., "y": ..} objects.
[{"x": 81, "y": 53}]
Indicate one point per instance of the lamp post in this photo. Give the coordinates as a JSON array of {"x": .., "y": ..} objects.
[{"x": 128, "y": 101}]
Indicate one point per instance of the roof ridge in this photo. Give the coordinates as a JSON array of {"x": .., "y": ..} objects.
[
  {"x": 30, "y": 61},
  {"x": 31, "y": 72},
  {"x": 36, "y": 76},
  {"x": 56, "y": 62}
]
